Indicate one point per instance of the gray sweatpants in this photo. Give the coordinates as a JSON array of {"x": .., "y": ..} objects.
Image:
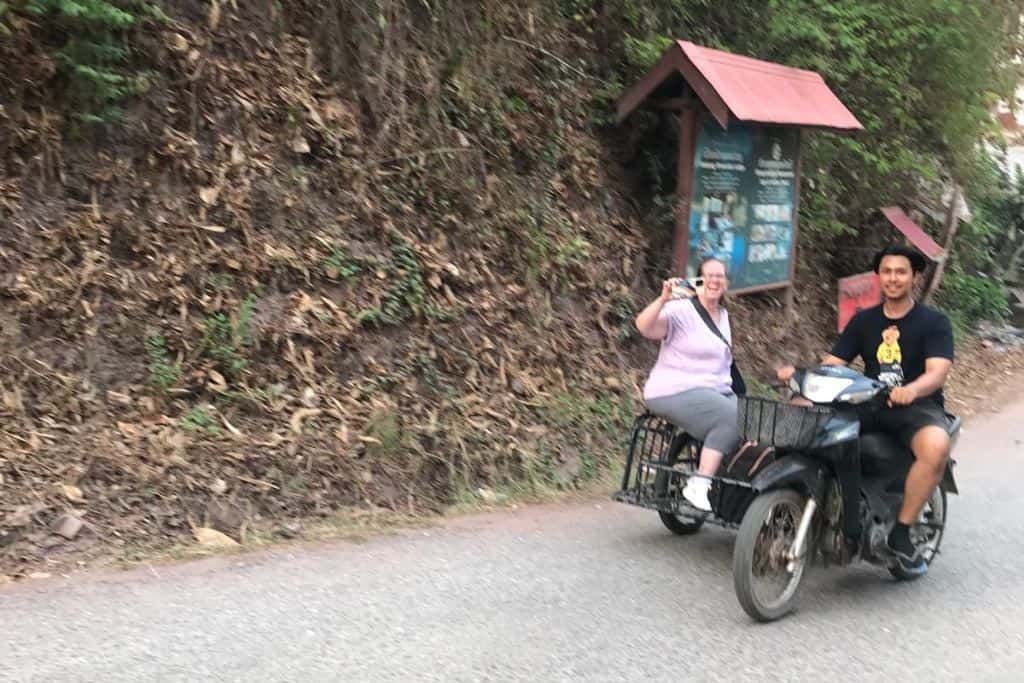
[{"x": 703, "y": 413}]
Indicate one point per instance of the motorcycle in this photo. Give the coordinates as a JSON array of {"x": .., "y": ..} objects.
[{"x": 791, "y": 508}]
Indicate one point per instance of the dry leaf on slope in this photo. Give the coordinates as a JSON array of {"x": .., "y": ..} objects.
[
  {"x": 72, "y": 493},
  {"x": 300, "y": 415},
  {"x": 209, "y": 195},
  {"x": 211, "y": 538},
  {"x": 217, "y": 382},
  {"x": 213, "y": 17}
]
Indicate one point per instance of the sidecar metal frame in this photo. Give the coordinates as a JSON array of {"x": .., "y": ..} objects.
[{"x": 661, "y": 457}]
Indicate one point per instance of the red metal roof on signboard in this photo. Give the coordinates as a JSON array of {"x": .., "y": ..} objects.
[
  {"x": 770, "y": 93},
  {"x": 746, "y": 89},
  {"x": 912, "y": 231}
]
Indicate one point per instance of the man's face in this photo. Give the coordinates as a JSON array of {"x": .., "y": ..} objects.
[{"x": 897, "y": 276}]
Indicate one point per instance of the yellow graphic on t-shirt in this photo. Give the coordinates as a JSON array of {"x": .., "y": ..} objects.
[
  {"x": 889, "y": 350},
  {"x": 890, "y": 357}
]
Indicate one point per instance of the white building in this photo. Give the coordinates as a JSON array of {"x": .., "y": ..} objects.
[{"x": 1011, "y": 122}]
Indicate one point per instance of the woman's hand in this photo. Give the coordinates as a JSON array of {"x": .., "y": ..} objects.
[
  {"x": 669, "y": 291},
  {"x": 785, "y": 373},
  {"x": 651, "y": 324}
]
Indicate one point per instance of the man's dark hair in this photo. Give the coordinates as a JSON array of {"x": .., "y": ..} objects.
[{"x": 916, "y": 258}]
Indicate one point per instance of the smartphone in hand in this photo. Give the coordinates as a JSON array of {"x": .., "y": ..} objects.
[{"x": 686, "y": 288}]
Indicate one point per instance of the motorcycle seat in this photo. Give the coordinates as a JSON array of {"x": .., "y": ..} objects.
[{"x": 882, "y": 454}]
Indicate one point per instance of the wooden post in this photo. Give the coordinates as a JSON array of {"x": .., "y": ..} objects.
[
  {"x": 789, "y": 309},
  {"x": 684, "y": 190},
  {"x": 947, "y": 244}
]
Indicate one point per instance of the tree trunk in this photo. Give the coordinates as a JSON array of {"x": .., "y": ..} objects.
[{"x": 952, "y": 224}]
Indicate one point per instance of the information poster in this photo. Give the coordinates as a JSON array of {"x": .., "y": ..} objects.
[{"x": 744, "y": 191}]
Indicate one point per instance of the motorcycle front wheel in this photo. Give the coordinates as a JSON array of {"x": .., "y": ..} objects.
[{"x": 766, "y": 581}]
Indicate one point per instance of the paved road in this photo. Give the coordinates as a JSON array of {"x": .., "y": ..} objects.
[{"x": 595, "y": 592}]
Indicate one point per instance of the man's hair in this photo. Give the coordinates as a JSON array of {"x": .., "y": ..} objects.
[{"x": 916, "y": 258}]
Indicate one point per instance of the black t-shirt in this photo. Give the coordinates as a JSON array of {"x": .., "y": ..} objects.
[{"x": 895, "y": 350}]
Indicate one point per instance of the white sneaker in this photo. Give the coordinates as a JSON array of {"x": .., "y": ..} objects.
[{"x": 696, "y": 491}]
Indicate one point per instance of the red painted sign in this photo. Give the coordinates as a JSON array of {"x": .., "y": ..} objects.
[
  {"x": 857, "y": 292},
  {"x": 912, "y": 231}
]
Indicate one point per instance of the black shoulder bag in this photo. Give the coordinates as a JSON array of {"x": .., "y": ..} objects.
[{"x": 739, "y": 387}]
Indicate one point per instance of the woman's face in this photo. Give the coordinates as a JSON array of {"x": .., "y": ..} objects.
[{"x": 715, "y": 281}]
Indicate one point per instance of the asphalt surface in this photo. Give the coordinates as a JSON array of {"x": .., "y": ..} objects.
[{"x": 595, "y": 592}]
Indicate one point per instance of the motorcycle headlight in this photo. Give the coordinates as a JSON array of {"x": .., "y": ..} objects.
[
  {"x": 820, "y": 389},
  {"x": 855, "y": 397}
]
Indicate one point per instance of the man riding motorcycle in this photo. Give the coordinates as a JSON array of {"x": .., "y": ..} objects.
[{"x": 908, "y": 346}]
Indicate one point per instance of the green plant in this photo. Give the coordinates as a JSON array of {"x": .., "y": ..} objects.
[
  {"x": 643, "y": 54},
  {"x": 623, "y": 312},
  {"x": 199, "y": 419},
  {"x": 4, "y": 9},
  {"x": 163, "y": 373},
  {"x": 427, "y": 368},
  {"x": 220, "y": 281},
  {"x": 602, "y": 101},
  {"x": 225, "y": 341},
  {"x": 92, "y": 51},
  {"x": 516, "y": 104},
  {"x": 758, "y": 388},
  {"x": 246, "y": 311},
  {"x": 593, "y": 431},
  {"x": 340, "y": 265},
  {"x": 972, "y": 298},
  {"x": 552, "y": 246},
  {"x": 577, "y": 413},
  {"x": 443, "y": 314},
  {"x": 385, "y": 429},
  {"x": 406, "y": 297},
  {"x": 219, "y": 337},
  {"x": 371, "y": 316}
]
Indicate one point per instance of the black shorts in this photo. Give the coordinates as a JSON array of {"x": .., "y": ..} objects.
[{"x": 903, "y": 422}]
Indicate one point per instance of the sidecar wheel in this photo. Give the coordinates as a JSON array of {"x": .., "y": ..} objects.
[
  {"x": 687, "y": 454},
  {"x": 682, "y": 525}
]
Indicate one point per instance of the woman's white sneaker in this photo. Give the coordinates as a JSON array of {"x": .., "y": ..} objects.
[{"x": 696, "y": 491}]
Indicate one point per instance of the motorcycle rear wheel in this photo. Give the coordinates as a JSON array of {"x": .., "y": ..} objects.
[
  {"x": 766, "y": 534},
  {"x": 926, "y": 533}
]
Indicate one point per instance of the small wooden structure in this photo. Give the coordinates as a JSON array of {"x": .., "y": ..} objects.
[{"x": 738, "y": 186}]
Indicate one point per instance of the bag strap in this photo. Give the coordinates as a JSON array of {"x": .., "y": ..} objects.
[{"x": 706, "y": 317}]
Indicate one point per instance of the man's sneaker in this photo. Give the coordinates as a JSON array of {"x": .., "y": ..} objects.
[
  {"x": 911, "y": 564},
  {"x": 696, "y": 491},
  {"x": 852, "y": 548}
]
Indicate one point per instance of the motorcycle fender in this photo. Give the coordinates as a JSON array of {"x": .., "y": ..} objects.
[
  {"x": 948, "y": 483},
  {"x": 793, "y": 471}
]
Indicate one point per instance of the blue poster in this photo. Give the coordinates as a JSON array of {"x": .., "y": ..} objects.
[{"x": 744, "y": 190}]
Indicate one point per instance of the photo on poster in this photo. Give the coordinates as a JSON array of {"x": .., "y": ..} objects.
[{"x": 744, "y": 191}]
